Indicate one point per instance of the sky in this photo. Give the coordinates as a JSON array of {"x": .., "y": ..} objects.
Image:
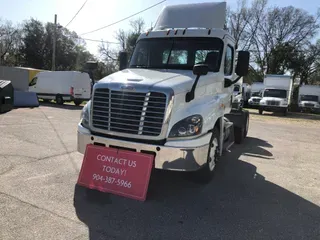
[{"x": 99, "y": 13}]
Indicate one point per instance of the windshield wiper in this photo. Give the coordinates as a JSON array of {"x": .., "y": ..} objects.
[{"x": 139, "y": 66}]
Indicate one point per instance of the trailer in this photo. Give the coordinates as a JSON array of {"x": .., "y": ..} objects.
[{"x": 20, "y": 77}]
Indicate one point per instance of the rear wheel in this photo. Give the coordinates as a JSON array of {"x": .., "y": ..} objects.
[
  {"x": 241, "y": 132},
  {"x": 205, "y": 174},
  {"x": 59, "y": 99}
]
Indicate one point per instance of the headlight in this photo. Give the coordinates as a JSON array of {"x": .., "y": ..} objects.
[
  {"x": 263, "y": 102},
  {"x": 190, "y": 126},
  {"x": 285, "y": 102},
  {"x": 84, "y": 116}
]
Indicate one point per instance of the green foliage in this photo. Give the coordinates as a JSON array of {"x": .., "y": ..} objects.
[{"x": 32, "y": 46}]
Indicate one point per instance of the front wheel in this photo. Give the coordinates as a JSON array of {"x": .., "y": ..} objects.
[
  {"x": 260, "y": 111},
  {"x": 285, "y": 112},
  {"x": 59, "y": 99},
  {"x": 205, "y": 174},
  {"x": 77, "y": 102}
]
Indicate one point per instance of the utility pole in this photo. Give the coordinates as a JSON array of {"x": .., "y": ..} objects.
[{"x": 54, "y": 37}]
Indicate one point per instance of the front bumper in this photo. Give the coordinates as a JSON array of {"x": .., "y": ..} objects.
[
  {"x": 253, "y": 103},
  {"x": 273, "y": 108},
  {"x": 183, "y": 155}
]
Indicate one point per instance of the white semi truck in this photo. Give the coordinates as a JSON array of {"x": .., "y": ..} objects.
[
  {"x": 174, "y": 99},
  {"x": 309, "y": 98},
  {"x": 276, "y": 97}
]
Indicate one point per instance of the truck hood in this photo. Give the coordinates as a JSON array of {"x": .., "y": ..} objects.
[
  {"x": 256, "y": 98},
  {"x": 309, "y": 102},
  {"x": 178, "y": 80},
  {"x": 272, "y": 99}
]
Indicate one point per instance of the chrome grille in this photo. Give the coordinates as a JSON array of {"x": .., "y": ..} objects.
[
  {"x": 273, "y": 103},
  {"x": 128, "y": 112}
]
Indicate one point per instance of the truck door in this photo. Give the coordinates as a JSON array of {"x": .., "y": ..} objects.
[
  {"x": 33, "y": 85},
  {"x": 229, "y": 66}
]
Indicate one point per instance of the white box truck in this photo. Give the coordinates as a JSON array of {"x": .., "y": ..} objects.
[
  {"x": 256, "y": 91},
  {"x": 237, "y": 95},
  {"x": 276, "y": 96},
  {"x": 246, "y": 92},
  {"x": 62, "y": 86},
  {"x": 174, "y": 99},
  {"x": 309, "y": 98}
]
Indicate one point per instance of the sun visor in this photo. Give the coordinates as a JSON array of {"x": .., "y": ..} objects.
[{"x": 197, "y": 15}]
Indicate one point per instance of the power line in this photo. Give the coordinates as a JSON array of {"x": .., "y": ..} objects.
[
  {"x": 124, "y": 18},
  {"x": 77, "y": 13},
  {"x": 96, "y": 40}
]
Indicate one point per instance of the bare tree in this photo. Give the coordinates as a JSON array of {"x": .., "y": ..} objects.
[
  {"x": 279, "y": 26},
  {"x": 137, "y": 25},
  {"x": 9, "y": 38},
  {"x": 243, "y": 22}
]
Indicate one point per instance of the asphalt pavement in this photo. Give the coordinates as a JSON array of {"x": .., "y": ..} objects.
[{"x": 266, "y": 188}]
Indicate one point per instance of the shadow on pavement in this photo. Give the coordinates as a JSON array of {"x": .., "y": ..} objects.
[
  {"x": 238, "y": 204},
  {"x": 64, "y": 106},
  {"x": 290, "y": 115}
]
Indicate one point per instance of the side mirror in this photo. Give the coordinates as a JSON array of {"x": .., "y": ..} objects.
[
  {"x": 243, "y": 63},
  {"x": 123, "y": 60},
  {"x": 91, "y": 65},
  {"x": 200, "y": 69}
]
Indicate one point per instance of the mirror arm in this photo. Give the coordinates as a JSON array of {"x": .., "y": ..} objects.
[
  {"x": 190, "y": 95},
  {"x": 236, "y": 80},
  {"x": 228, "y": 82}
]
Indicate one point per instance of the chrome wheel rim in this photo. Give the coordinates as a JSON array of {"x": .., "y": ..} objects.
[
  {"x": 247, "y": 124},
  {"x": 213, "y": 154}
]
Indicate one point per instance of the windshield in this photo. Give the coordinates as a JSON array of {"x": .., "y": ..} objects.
[
  {"x": 313, "y": 98},
  {"x": 177, "y": 53},
  {"x": 256, "y": 94},
  {"x": 278, "y": 93}
]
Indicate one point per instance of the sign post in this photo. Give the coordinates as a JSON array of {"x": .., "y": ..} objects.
[{"x": 116, "y": 171}]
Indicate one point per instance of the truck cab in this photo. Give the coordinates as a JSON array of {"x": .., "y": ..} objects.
[
  {"x": 276, "y": 96},
  {"x": 174, "y": 99},
  {"x": 309, "y": 98},
  {"x": 256, "y": 94}
]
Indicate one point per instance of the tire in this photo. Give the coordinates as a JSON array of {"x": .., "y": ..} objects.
[
  {"x": 241, "y": 132},
  {"x": 205, "y": 174},
  {"x": 285, "y": 112},
  {"x": 77, "y": 102},
  {"x": 247, "y": 125},
  {"x": 59, "y": 99},
  {"x": 260, "y": 111}
]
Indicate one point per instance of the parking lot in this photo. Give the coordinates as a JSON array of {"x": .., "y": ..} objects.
[{"x": 267, "y": 188}]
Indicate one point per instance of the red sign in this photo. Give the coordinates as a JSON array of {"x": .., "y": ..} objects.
[{"x": 116, "y": 171}]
